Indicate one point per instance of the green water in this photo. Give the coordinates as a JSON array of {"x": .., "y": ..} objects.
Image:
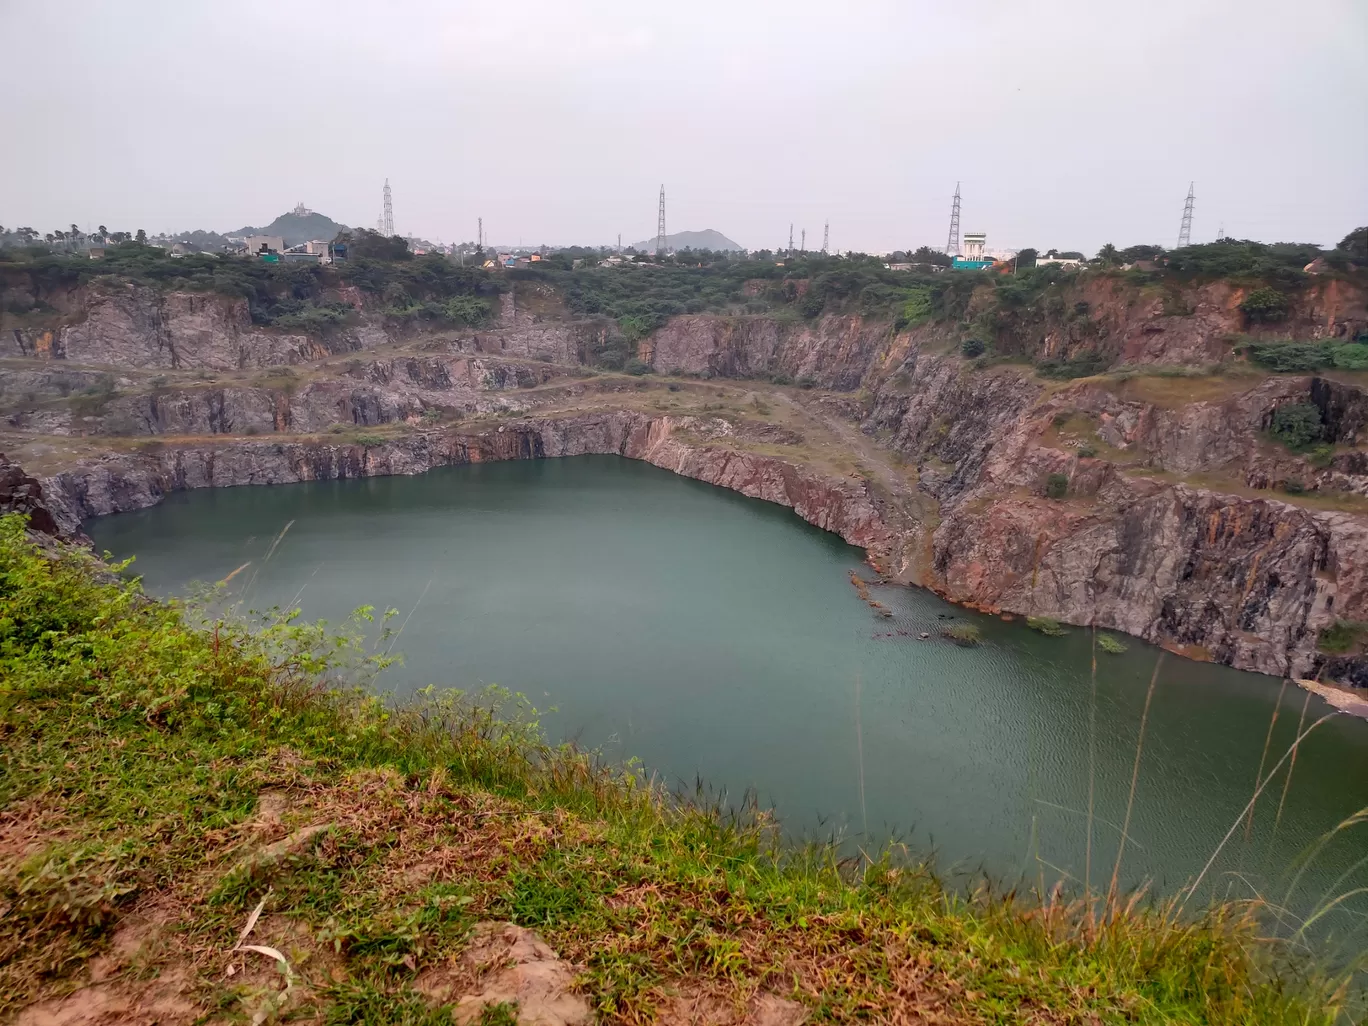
[{"x": 718, "y": 638}]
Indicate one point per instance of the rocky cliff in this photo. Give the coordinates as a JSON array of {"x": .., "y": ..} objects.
[{"x": 1149, "y": 501}]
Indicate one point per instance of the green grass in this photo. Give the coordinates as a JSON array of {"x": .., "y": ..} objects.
[
  {"x": 1342, "y": 637},
  {"x": 150, "y": 764},
  {"x": 1046, "y": 625}
]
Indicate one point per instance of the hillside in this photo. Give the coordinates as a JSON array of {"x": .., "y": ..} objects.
[
  {"x": 709, "y": 238},
  {"x": 296, "y": 227}
]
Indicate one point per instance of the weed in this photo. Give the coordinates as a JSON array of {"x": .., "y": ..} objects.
[
  {"x": 1046, "y": 625},
  {"x": 1342, "y": 636},
  {"x": 966, "y": 635},
  {"x": 1109, "y": 643}
]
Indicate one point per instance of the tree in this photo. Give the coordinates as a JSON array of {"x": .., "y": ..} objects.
[
  {"x": 1264, "y": 305},
  {"x": 1026, "y": 258},
  {"x": 103, "y": 233},
  {"x": 927, "y": 255},
  {"x": 140, "y": 238},
  {"x": 1107, "y": 255},
  {"x": 1355, "y": 245}
]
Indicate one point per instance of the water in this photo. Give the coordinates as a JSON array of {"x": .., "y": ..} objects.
[{"x": 719, "y": 638}]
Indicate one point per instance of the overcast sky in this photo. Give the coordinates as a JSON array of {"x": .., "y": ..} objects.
[{"x": 1069, "y": 124}]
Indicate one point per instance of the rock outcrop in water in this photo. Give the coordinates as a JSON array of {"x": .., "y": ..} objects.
[{"x": 1166, "y": 524}]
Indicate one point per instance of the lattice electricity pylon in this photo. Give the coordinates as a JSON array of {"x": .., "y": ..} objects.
[
  {"x": 1185, "y": 231},
  {"x": 952, "y": 244},
  {"x": 826, "y": 236},
  {"x": 660, "y": 228},
  {"x": 389, "y": 211}
]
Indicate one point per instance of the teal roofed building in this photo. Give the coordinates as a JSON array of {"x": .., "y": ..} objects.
[{"x": 973, "y": 258}]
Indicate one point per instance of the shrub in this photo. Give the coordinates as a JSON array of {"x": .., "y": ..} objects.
[
  {"x": 1351, "y": 356},
  {"x": 972, "y": 347},
  {"x": 635, "y": 366},
  {"x": 1293, "y": 487},
  {"x": 1056, "y": 486},
  {"x": 1087, "y": 451},
  {"x": 1047, "y": 625},
  {"x": 1083, "y": 365},
  {"x": 1297, "y": 425},
  {"x": 1264, "y": 305},
  {"x": 807, "y": 382},
  {"x": 1289, "y": 357},
  {"x": 1342, "y": 636},
  {"x": 966, "y": 635},
  {"x": 1108, "y": 643},
  {"x": 370, "y": 440},
  {"x": 431, "y": 415}
]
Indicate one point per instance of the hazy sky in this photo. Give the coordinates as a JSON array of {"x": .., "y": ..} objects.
[{"x": 1070, "y": 124}]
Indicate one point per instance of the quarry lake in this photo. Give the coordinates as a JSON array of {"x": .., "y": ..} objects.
[{"x": 719, "y": 639}]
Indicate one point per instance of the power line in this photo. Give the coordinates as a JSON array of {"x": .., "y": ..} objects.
[
  {"x": 389, "y": 212},
  {"x": 952, "y": 244},
  {"x": 1185, "y": 232},
  {"x": 660, "y": 228}
]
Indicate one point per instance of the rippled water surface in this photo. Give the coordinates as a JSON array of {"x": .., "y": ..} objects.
[{"x": 719, "y": 638}]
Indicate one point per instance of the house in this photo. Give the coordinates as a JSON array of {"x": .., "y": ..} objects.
[
  {"x": 96, "y": 252},
  {"x": 1065, "y": 262},
  {"x": 260, "y": 245},
  {"x": 899, "y": 267}
]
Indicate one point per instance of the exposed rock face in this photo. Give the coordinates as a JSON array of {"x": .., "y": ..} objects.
[
  {"x": 20, "y": 493},
  {"x": 835, "y": 352}
]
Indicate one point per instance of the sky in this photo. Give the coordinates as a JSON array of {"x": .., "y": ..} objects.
[{"x": 1067, "y": 123}]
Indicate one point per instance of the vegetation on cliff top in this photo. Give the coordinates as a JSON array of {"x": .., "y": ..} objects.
[{"x": 151, "y": 767}]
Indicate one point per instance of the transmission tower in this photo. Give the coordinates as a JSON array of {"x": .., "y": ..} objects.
[
  {"x": 802, "y": 246},
  {"x": 1185, "y": 232},
  {"x": 790, "y": 249},
  {"x": 826, "y": 236},
  {"x": 952, "y": 245},
  {"x": 389, "y": 212},
  {"x": 619, "y": 244},
  {"x": 1220, "y": 234},
  {"x": 660, "y": 228}
]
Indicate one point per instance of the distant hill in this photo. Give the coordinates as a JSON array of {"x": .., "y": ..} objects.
[
  {"x": 708, "y": 239},
  {"x": 299, "y": 225}
]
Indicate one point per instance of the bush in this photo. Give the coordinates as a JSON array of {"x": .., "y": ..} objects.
[
  {"x": 638, "y": 367},
  {"x": 1264, "y": 305},
  {"x": 1087, "y": 451},
  {"x": 1107, "y": 643},
  {"x": 1084, "y": 365},
  {"x": 1056, "y": 486},
  {"x": 972, "y": 347},
  {"x": 1297, "y": 425},
  {"x": 370, "y": 440},
  {"x": 1342, "y": 636},
  {"x": 1047, "y": 625},
  {"x": 966, "y": 635},
  {"x": 1293, "y": 487},
  {"x": 1350, "y": 356}
]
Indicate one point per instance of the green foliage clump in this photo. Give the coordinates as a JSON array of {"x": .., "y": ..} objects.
[
  {"x": 966, "y": 635},
  {"x": 1264, "y": 305},
  {"x": 370, "y": 440},
  {"x": 1056, "y": 486},
  {"x": 1297, "y": 425},
  {"x": 1287, "y": 357},
  {"x": 1110, "y": 644},
  {"x": 1341, "y": 637},
  {"x": 637, "y": 367},
  {"x": 1084, "y": 365},
  {"x": 972, "y": 347},
  {"x": 1046, "y": 625}
]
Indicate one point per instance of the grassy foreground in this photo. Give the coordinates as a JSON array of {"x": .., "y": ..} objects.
[{"x": 150, "y": 768}]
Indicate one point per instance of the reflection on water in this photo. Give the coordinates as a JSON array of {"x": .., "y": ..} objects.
[{"x": 718, "y": 637}]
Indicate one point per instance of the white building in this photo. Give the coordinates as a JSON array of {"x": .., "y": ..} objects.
[
  {"x": 257, "y": 244},
  {"x": 973, "y": 245}
]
